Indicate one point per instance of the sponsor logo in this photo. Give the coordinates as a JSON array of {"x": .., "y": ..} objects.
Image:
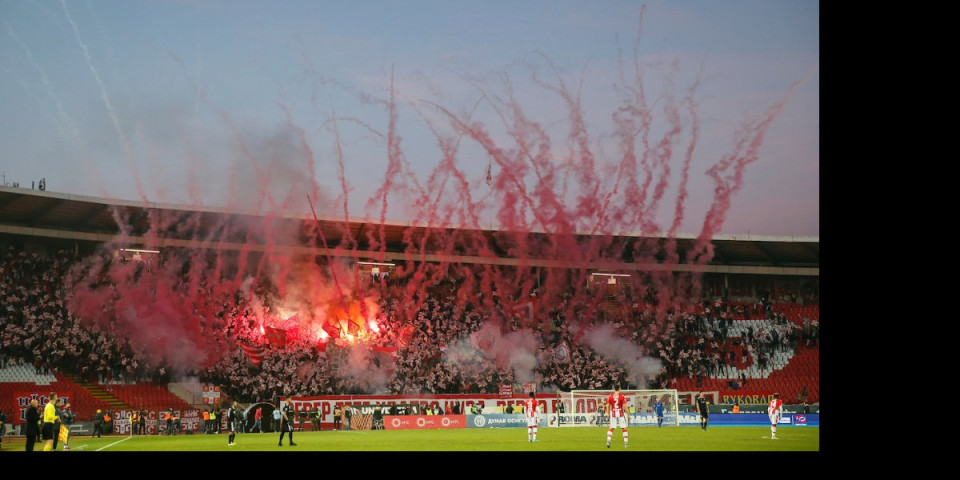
[
  {"x": 689, "y": 418},
  {"x": 799, "y": 420},
  {"x": 496, "y": 420},
  {"x": 445, "y": 422},
  {"x": 643, "y": 419}
]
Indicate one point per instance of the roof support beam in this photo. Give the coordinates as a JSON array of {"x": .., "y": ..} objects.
[
  {"x": 42, "y": 211},
  {"x": 767, "y": 255}
]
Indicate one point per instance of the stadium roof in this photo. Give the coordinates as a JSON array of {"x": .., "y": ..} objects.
[{"x": 74, "y": 217}]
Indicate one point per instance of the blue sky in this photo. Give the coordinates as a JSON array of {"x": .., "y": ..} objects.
[{"x": 203, "y": 102}]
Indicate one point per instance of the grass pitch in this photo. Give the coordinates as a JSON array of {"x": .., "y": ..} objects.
[{"x": 574, "y": 439}]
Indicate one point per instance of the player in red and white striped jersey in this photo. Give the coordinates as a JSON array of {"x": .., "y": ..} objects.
[
  {"x": 774, "y": 410},
  {"x": 616, "y": 408},
  {"x": 530, "y": 411}
]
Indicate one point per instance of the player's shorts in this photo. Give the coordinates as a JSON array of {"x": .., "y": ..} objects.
[
  {"x": 532, "y": 421},
  {"x": 704, "y": 414},
  {"x": 618, "y": 421},
  {"x": 774, "y": 419},
  {"x": 47, "y": 431}
]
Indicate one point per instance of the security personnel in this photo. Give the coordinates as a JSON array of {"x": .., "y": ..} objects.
[
  {"x": 98, "y": 424},
  {"x": 206, "y": 421},
  {"x": 134, "y": 420},
  {"x": 317, "y": 418},
  {"x": 214, "y": 424},
  {"x": 168, "y": 417},
  {"x": 142, "y": 426}
]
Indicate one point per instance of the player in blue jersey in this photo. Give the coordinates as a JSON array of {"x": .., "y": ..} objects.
[{"x": 658, "y": 409}]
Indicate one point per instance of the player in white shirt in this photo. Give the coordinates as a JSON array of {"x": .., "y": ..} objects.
[
  {"x": 774, "y": 410},
  {"x": 616, "y": 407},
  {"x": 530, "y": 411}
]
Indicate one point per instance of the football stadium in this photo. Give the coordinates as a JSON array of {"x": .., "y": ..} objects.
[
  {"x": 517, "y": 227},
  {"x": 111, "y": 305}
]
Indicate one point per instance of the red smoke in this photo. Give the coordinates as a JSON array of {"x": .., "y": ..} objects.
[{"x": 559, "y": 220}]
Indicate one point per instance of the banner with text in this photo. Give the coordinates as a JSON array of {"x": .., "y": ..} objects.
[
  {"x": 762, "y": 419},
  {"x": 746, "y": 398},
  {"x": 423, "y": 422},
  {"x": 502, "y": 420},
  {"x": 637, "y": 419},
  {"x": 22, "y": 400},
  {"x": 190, "y": 420},
  {"x": 490, "y": 402},
  {"x": 211, "y": 394}
]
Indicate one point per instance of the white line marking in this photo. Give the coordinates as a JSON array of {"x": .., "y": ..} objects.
[{"x": 112, "y": 444}]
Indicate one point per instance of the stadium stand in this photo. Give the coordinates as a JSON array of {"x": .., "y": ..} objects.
[
  {"x": 145, "y": 396},
  {"x": 84, "y": 405},
  {"x": 705, "y": 345},
  {"x": 25, "y": 374}
]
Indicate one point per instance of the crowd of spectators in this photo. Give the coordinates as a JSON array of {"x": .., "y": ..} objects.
[
  {"x": 426, "y": 342},
  {"x": 36, "y": 327}
]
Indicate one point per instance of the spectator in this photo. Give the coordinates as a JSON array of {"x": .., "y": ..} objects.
[
  {"x": 257, "y": 418},
  {"x": 32, "y": 426},
  {"x": 698, "y": 342}
]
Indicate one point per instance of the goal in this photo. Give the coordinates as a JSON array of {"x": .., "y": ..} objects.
[{"x": 640, "y": 404}]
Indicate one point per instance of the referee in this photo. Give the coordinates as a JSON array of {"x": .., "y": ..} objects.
[
  {"x": 50, "y": 420},
  {"x": 286, "y": 425}
]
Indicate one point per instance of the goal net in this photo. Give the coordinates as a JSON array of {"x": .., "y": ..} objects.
[{"x": 640, "y": 405}]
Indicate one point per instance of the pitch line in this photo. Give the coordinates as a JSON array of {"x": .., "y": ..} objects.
[{"x": 112, "y": 444}]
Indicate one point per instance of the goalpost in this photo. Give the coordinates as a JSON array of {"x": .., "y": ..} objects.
[{"x": 640, "y": 405}]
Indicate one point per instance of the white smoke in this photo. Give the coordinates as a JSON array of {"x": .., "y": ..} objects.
[
  {"x": 516, "y": 350},
  {"x": 359, "y": 370},
  {"x": 620, "y": 351}
]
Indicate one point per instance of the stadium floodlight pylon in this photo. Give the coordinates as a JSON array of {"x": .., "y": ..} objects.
[{"x": 641, "y": 401}]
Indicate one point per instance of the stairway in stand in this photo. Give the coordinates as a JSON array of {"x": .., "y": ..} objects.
[{"x": 99, "y": 393}]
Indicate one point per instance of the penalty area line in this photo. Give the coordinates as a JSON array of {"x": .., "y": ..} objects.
[{"x": 112, "y": 444}]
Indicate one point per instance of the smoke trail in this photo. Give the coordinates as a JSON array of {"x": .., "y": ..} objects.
[
  {"x": 726, "y": 184},
  {"x": 680, "y": 204},
  {"x": 393, "y": 167},
  {"x": 106, "y": 102},
  {"x": 74, "y": 135},
  {"x": 545, "y": 240}
]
